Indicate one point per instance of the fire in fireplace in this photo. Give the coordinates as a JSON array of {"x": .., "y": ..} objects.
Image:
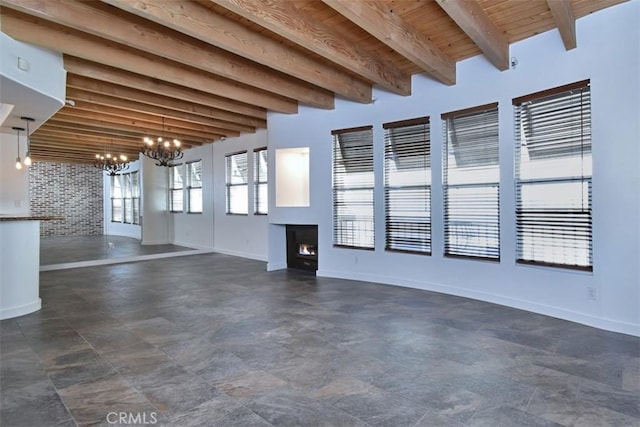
[
  {"x": 302, "y": 247},
  {"x": 305, "y": 249}
]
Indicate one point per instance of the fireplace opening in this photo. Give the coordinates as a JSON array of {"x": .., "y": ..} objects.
[
  {"x": 302, "y": 247},
  {"x": 306, "y": 250}
]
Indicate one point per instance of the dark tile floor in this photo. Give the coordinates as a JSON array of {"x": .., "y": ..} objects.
[
  {"x": 214, "y": 340},
  {"x": 60, "y": 250}
]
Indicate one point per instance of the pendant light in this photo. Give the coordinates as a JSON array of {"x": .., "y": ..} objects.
[{"x": 18, "y": 130}]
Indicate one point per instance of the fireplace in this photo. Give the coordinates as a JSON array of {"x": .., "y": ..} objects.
[{"x": 302, "y": 247}]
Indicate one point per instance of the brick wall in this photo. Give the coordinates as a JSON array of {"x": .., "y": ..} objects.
[{"x": 71, "y": 191}]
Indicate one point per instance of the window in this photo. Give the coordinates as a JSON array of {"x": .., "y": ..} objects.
[
  {"x": 125, "y": 198},
  {"x": 176, "y": 188},
  {"x": 260, "y": 195},
  {"x": 353, "y": 182},
  {"x": 194, "y": 187},
  {"x": 116, "y": 199},
  {"x": 471, "y": 183},
  {"x": 553, "y": 177},
  {"x": 407, "y": 185},
  {"x": 135, "y": 197},
  {"x": 237, "y": 184}
]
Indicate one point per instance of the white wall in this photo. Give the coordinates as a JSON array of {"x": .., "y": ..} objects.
[
  {"x": 607, "y": 53},
  {"x": 154, "y": 182},
  {"x": 196, "y": 230},
  {"x": 241, "y": 235},
  {"x": 14, "y": 183},
  {"x": 118, "y": 228}
]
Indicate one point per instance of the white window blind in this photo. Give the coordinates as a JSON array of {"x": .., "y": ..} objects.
[
  {"x": 407, "y": 184},
  {"x": 260, "y": 195},
  {"x": 116, "y": 199},
  {"x": 176, "y": 188},
  {"x": 128, "y": 205},
  {"x": 135, "y": 196},
  {"x": 471, "y": 183},
  {"x": 194, "y": 187},
  {"x": 237, "y": 184},
  {"x": 353, "y": 182},
  {"x": 553, "y": 177}
]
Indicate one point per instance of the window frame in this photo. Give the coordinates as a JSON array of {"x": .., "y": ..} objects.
[
  {"x": 362, "y": 189},
  {"x": 547, "y": 235},
  {"x": 483, "y": 224},
  {"x": 190, "y": 187},
  {"x": 229, "y": 185},
  {"x": 405, "y": 185},
  {"x": 258, "y": 183},
  {"x": 173, "y": 189},
  {"x": 129, "y": 199}
]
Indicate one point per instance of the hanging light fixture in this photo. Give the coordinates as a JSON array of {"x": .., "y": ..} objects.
[
  {"x": 27, "y": 157},
  {"x": 164, "y": 151},
  {"x": 110, "y": 163},
  {"x": 18, "y": 130}
]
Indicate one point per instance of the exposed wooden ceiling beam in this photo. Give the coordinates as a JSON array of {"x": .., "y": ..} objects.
[
  {"x": 285, "y": 19},
  {"x": 89, "y": 129},
  {"x": 129, "y": 104},
  {"x": 198, "y": 22},
  {"x": 35, "y": 31},
  {"x": 565, "y": 21},
  {"x": 473, "y": 20},
  {"x": 88, "y": 140},
  {"x": 138, "y": 35},
  {"x": 143, "y": 129},
  {"x": 378, "y": 19},
  {"x": 52, "y": 145},
  {"x": 170, "y": 101},
  {"x": 169, "y": 121},
  {"x": 106, "y": 74}
]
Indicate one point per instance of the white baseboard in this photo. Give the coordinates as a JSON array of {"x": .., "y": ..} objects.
[
  {"x": 191, "y": 245},
  {"x": 273, "y": 266},
  {"x": 547, "y": 310},
  {"x": 241, "y": 254},
  {"x": 11, "y": 312},
  {"x": 155, "y": 242}
]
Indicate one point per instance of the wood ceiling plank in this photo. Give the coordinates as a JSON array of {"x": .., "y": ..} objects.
[
  {"x": 35, "y": 31},
  {"x": 378, "y": 19},
  {"x": 565, "y": 21},
  {"x": 473, "y": 20},
  {"x": 129, "y": 104},
  {"x": 71, "y": 130},
  {"x": 285, "y": 19},
  {"x": 200, "y": 23}
]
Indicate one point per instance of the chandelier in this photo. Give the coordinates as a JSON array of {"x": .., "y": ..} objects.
[
  {"x": 162, "y": 150},
  {"x": 111, "y": 164}
]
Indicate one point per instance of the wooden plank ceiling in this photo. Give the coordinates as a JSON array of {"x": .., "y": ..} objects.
[{"x": 203, "y": 70}]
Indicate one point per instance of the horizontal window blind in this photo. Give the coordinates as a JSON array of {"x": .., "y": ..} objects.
[
  {"x": 260, "y": 195},
  {"x": 194, "y": 187},
  {"x": 471, "y": 176},
  {"x": 353, "y": 182},
  {"x": 553, "y": 177},
  {"x": 407, "y": 181},
  {"x": 176, "y": 188},
  {"x": 237, "y": 184}
]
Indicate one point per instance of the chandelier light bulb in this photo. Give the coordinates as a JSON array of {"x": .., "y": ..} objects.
[
  {"x": 123, "y": 157},
  {"x": 27, "y": 159},
  {"x": 159, "y": 139},
  {"x": 176, "y": 143},
  {"x": 18, "y": 163}
]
